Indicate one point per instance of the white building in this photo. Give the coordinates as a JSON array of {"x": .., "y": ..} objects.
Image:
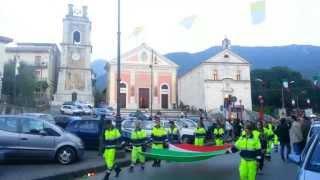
[
  {"x": 75, "y": 80},
  {"x": 44, "y": 57},
  {"x": 3, "y": 58},
  {"x": 224, "y": 74}
]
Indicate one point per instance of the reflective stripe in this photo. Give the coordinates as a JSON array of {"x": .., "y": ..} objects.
[{"x": 249, "y": 154}]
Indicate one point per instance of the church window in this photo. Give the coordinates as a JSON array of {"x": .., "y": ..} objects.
[
  {"x": 238, "y": 75},
  {"x": 215, "y": 75},
  {"x": 226, "y": 56},
  {"x": 76, "y": 37}
]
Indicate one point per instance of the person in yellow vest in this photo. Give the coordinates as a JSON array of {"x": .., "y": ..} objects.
[
  {"x": 218, "y": 133},
  {"x": 173, "y": 133},
  {"x": 249, "y": 148},
  {"x": 138, "y": 141},
  {"x": 159, "y": 139},
  {"x": 200, "y": 134},
  {"x": 111, "y": 141},
  {"x": 268, "y": 131}
]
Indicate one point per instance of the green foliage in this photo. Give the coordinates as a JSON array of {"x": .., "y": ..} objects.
[
  {"x": 20, "y": 88},
  {"x": 271, "y": 87}
]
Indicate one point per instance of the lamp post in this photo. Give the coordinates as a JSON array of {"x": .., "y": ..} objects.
[
  {"x": 118, "y": 116},
  {"x": 151, "y": 83}
]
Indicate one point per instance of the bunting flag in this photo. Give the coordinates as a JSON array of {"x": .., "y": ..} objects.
[
  {"x": 137, "y": 31},
  {"x": 188, "y": 22},
  {"x": 258, "y": 11}
]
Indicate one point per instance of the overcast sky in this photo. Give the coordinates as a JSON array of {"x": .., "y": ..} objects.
[{"x": 287, "y": 22}]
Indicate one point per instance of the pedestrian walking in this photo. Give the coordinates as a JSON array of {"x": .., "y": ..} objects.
[
  {"x": 138, "y": 141},
  {"x": 228, "y": 128},
  {"x": 258, "y": 133},
  {"x": 296, "y": 136},
  {"x": 159, "y": 139},
  {"x": 249, "y": 148},
  {"x": 200, "y": 134},
  {"x": 218, "y": 134},
  {"x": 112, "y": 140},
  {"x": 237, "y": 128},
  {"x": 173, "y": 133},
  {"x": 284, "y": 138}
]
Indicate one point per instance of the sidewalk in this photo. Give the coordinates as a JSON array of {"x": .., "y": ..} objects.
[{"x": 52, "y": 170}]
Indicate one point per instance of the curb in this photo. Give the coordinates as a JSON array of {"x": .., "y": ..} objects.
[{"x": 82, "y": 172}]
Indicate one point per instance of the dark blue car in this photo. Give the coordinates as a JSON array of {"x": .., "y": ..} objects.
[{"x": 87, "y": 130}]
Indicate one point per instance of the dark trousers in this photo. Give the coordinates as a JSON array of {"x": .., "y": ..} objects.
[
  {"x": 261, "y": 162},
  {"x": 283, "y": 146}
]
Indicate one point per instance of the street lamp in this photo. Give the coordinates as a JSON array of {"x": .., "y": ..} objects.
[
  {"x": 153, "y": 62},
  {"x": 118, "y": 116}
]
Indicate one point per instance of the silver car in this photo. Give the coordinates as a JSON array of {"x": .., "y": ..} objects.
[
  {"x": 309, "y": 160},
  {"x": 25, "y": 137}
]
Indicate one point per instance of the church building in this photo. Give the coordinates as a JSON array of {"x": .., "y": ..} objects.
[
  {"x": 207, "y": 85},
  {"x": 148, "y": 80},
  {"x": 75, "y": 77}
]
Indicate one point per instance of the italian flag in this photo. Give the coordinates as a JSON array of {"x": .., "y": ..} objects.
[{"x": 186, "y": 152}]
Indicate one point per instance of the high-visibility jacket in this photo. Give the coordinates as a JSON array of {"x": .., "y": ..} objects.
[
  {"x": 249, "y": 147},
  {"x": 173, "y": 134},
  {"x": 218, "y": 132},
  {"x": 138, "y": 138},
  {"x": 111, "y": 138},
  {"x": 200, "y": 133},
  {"x": 158, "y": 135},
  {"x": 256, "y": 134}
]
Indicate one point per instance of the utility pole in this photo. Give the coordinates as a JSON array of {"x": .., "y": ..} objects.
[
  {"x": 118, "y": 116},
  {"x": 282, "y": 97}
]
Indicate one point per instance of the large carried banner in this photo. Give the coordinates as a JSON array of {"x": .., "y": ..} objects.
[{"x": 186, "y": 152}]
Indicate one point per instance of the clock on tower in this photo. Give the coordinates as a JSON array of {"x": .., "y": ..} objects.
[{"x": 74, "y": 80}]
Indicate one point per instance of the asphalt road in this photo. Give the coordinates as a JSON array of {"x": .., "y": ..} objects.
[{"x": 223, "y": 167}]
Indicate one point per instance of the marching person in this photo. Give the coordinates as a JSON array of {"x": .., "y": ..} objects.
[
  {"x": 159, "y": 138},
  {"x": 249, "y": 148},
  {"x": 173, "y": 133},
  {"x": 138, "y": 140},
  {"x": 268, "y": 132},
  {"x": 200, "y": 134},
  {"x": 284, "y": 137},
  {"x": 111, "y": 141},
  {"x": 258, "y": 133},
  {"x": 218, "y": 133}
]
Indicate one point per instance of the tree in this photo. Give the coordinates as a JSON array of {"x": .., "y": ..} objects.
[
  {"x": 19, "y": 88},
  {"x": 271, "y": 85}
]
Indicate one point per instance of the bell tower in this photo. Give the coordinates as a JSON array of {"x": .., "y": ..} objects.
[{"x": 74, "y": 81}]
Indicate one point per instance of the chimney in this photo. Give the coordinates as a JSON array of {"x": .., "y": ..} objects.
[
  {"x": 84, "y": 11},
  {"x": 70, "y": 9}
]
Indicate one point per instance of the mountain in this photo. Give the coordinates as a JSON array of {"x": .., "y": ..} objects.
[{"x": 302, "y": 58}]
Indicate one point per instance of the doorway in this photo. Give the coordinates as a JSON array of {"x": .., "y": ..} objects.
[{"x": 143, "y": 98}]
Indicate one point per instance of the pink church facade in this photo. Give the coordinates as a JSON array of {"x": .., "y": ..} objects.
[{"x": 147, "y": 79}]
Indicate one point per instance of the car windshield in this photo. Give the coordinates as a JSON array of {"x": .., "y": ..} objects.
[
  {"x": 314, "y": 130},
  {"x": 147, "y": 125},
  {"x": 47, "y": 117},
  {"x": 190, "y": 123},
  {"x": 314, "y": 160}
]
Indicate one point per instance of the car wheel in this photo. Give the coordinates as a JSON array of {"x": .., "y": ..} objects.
[{"x": 66, "y": 155}]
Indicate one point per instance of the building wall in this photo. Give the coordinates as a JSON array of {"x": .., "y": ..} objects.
[
  {"x": 2, "y": 60},
  {"x": 191, "y": 88},
  {"x": 215, "y": 93},
  {"x": 47, "y": 72}
]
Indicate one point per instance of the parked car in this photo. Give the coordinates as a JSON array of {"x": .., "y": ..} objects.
[
  {"x": 314, "y": 129},
  {"x": 102, "y": 111},
  {"x": 86, "y": 129},
  {"x": 139, "y": 115},
  {"x": 47, "y": 117},
  {"x": 86, "y": 110},
  {"x": 186, "y": 128},
  {"x": 63, "y": 120},
  {"x": 25, "y": 137},
  {"x": 309, "y": 160},
  {"x": 70, "y": 110}
]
